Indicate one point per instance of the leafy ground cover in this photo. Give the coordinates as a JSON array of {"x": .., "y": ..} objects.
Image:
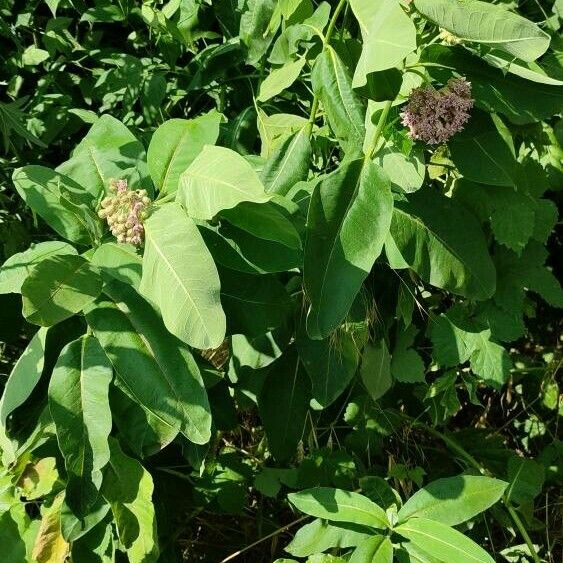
[{"x": 279, "y": 281}]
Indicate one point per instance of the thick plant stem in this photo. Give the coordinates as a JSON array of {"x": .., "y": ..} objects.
[
  {"x": 470, "y": 460},
  {"x": 378, "y": 130},
  {"x": 326, "y": 41},
  {"x": 519, "y": 524}
]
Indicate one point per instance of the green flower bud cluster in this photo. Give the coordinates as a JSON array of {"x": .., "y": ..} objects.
[{"x": 125, "y": 212}]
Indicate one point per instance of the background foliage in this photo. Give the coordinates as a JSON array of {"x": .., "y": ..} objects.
[{"x": 336, "y": 343}]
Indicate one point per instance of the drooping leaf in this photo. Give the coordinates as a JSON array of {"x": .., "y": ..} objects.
[
  {"x": 388, "y": 34},
  {"x": 337, "y": 505},
  {"x": 14, "y": 271},
  {"x": 175, "y": 145},
  {"x": 283, "y": 404},
  {"x": 492, "y": 25},
  {"x": 453, "y": 500},
  {"x": 79, "y": 405},
  {"x": 59, "y": 287},
  {"x": 218, "y": 179},
  {"x": 128, "y": 487},
  {"x": 321, "y": 535},
  {"x": 344, "y": 110},
  {"x": 155, "y": 369},
  {"x": 180, "y": 278},
  {"x": 43, "y": 190},
  {"x": 348, "y": 221},
  {"x": 442, "y": 542},
  {"x": 426, "y": 235},
  {"x": 50, "y": 546}
]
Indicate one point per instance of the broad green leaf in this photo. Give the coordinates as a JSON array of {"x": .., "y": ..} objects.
[
  {"x": 79, "y": 406},
  {"x": 453, "y": 500},
  {"x": 529, "y": 71},
  {"x": 376, "y": 369},
  {"x": 33, "y": 56},
  {"x": 276, "y": 128},
  {"x": 406, "y": 172},
  {"x": 218, "y": 179},
  {"x": 492, "y": 25},
  {"x": 24, "y": 376},
  {"x": 406, "y": 364},
  {"x": 330, "y": 363},
  {"x": 426, "y": 234},
  {"x": 321, "y": 535},
  {"x": 13, "y": 546},
  {"x": 108, "y": 151},
  {"x": 442, "y": 542},
  {"x": 389, "y": 35},
  {"x": 38, "y": 478},
  {"x": 513, "y": 224},
  {"x": 457, "y": 339},
  {"x": 14, "y": 271},
  {"x": 180, "y": 278},
  {"x": 238, "y": 250},
  {"x": 526, "y": 478},
  {"x": 522, "y": 101},
  {"x": 255, "y": 28},
  {"x": 73, "y": 528},
  {"x": 343, "y": 107},
  {"x": 43, "y": 190},
  {"x": 175, "y": 145},
  {"x": 156, "y": 369},
  {"x": 377, "y": 549},
  {"x": 128, "y": 487},
  {"x": 266, "y": 221},
  {"x": 254, "y": 305},
  {"x": 97, "y": 546},
  {"x": 59, "y": 287},
  {"x": 288, "y": 164},
  {"x": 50, "y": 546},
  {"x": 337, "y": 505},
  {"x": 120, "y": 261},
  {"x": 348, "y": 221},
  {"x": 283, "y": 404},
  {"x": 145, "y": 433},
  {"x": 482, "y": 155},
  {"x": 280, "y": 79}
]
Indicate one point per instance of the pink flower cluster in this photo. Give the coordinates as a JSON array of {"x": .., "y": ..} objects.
[
  {"x": 125, "y": 212},
  {"x": 433, "y": 116}
]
